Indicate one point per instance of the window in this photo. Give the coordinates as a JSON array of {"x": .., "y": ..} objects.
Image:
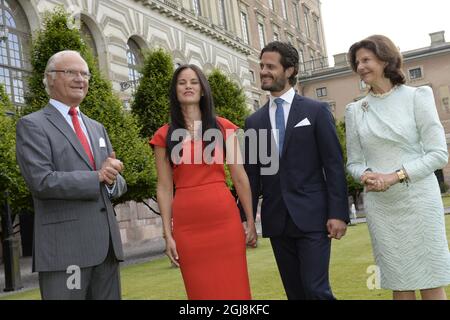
[
  {"x": 252, "y": 76},
  {"x": 321, "y": 92},
  {"x": 244, "y": 25},
  {"x": 317, "y": 28},
  {"x": 290, "y": 39},
  {"x": 134, "y": 59},
  {"x": 88, "y": 38},
  {"x": 296, "y": 15},
  {"x": 196, "y": 7},
  {"x": 262, "y": 40},
  {"x": 301, "y": 60},
  {"x": 311, "y": 57},
  {"x": 271, "y": 5},
  {"x": 306, "y": 18},
  {"x": 14, "y": 64},
  {"x": 415, "y": 73},
  {"x": 284, "y": 9},
  {"x": 276, "y": 33},
  {"x": 222, "y": 16}
]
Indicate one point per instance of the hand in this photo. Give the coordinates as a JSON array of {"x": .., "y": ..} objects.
[
  {"x": 336, "y": 228},
  {"x": 114, "y": 162},
  {"x": 378, "y": 182},
  {"x": 251, "y": 235},
  {"x": 110, "y": 169},
  {"x": 171, "y": 251}
]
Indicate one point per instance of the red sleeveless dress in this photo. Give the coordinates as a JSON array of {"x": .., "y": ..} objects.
[{"x": 207, "y": 227}]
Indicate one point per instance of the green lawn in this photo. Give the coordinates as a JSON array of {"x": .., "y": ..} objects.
[
  {"x": 349, "y": 262},
  {"x": 446, "y": 200}
]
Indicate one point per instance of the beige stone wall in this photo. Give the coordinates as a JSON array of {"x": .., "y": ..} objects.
[
  {"x": 258, "y": 11},
  {"x": 138, "y": 223}
]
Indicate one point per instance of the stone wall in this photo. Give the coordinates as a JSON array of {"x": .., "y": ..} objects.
[{"x": 138, "y": 223}]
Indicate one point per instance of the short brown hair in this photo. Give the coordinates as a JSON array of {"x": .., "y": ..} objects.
[{"x": 386, "y": 51}]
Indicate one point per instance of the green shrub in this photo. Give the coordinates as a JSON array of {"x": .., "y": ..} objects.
[
  {"x": 151, "y": 100},
  {"x": 229, "y": 98},
  {"x": 354, "y": 187},
  {"x": 10, "y": 177}
]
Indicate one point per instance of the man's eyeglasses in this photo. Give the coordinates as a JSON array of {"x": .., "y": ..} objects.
[{"x": 73, "y": 73}]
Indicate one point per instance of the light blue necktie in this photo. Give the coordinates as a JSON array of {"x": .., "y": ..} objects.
[{"x": 279, "y": 123}]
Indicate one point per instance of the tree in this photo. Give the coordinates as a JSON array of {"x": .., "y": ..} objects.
[
  {"x": 229, "y": 102},
  {"x": 100, "y": 103},
  {"x": 10, "y": 178},
  {"x": 354, "y": 187},
  {"x": 151, "y": 100},
  {"x": 229, "y": 98}
]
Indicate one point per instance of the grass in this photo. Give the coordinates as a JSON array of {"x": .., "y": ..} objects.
[
  {"x": 350, "y": 258},
  {"x": 446, "y": 200}
]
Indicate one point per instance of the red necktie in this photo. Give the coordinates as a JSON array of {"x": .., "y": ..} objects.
[{"x": 81, "y": 136}]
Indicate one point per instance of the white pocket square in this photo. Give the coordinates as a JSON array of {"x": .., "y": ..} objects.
[
  {"x": 305, "y": 122},
  {"x": 102, "y": 143}
]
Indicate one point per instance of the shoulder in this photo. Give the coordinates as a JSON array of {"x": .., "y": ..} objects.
[
  {"x": 351, "y": 107},
  {"x": 32, "y": 118},
  {"x": 162, "y": 131},
  {"x": 226, "y": 124},
  {"x": 312, "y": 105},
  {"x": 422, "y": 91},
  {"x": 159, "y": 138}
]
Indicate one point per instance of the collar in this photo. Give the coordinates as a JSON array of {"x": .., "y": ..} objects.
[
  {"x": 288, "y": 97},
  {"x": 61, "y": 107}
]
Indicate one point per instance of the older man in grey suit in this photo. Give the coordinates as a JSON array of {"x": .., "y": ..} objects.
[{"x": 69, "y": 165}]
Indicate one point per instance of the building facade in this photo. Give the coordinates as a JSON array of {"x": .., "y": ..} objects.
[
  {"x": 224, "y": 34},
  {"x": 429, "y": 66}
]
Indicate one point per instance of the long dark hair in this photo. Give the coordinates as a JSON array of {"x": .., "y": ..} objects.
[
  {"x": 209, "y": 120},
  {"x": 386, "y": 51}
]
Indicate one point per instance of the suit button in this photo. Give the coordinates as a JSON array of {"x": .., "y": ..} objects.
[{"x": 103, "y": 209}]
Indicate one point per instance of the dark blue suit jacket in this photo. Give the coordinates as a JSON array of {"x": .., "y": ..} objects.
[{"x": 310, "y": 184}]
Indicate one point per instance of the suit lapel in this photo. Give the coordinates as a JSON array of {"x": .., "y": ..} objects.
[
  {"x": 296, "y": 114},
  {"x": 55, "y": 117},
  {"x": 94, "y": 138}
]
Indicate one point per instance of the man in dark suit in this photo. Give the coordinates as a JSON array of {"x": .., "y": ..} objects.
[
  {"x": 305, "y": 201},
  {"x": 70, "y": 168}
]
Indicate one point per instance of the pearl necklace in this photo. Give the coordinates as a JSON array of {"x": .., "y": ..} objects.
[{"x": 383, "y": 95}]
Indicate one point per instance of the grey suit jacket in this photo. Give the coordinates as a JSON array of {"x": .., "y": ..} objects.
[{"x": 74, "y": 217}]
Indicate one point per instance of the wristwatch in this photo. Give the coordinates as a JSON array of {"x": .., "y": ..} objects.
[{"x": 401, "y": 175}]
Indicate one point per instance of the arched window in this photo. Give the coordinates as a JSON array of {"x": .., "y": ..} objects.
[
  {"x": 14, "y": 50},
  {"x": 88, "y": 38},
  {"x": 134, "y": 58}
]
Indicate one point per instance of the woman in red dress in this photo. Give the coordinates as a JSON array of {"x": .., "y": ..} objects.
[{"x": 202, "y": 225}]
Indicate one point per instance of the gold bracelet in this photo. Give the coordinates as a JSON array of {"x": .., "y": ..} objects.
[{"x": 401, "y": 175}]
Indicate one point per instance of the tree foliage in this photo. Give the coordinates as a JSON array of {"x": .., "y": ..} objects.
[
  {"x": 354, "y": 187},
  {"x": 151, "y": 100},
  {"x": 229, "y": 98},
  {"x": 10, "y": 178}
]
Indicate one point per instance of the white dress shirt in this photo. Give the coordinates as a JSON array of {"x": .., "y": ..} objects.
[
  {"x": 64, "y": 110},
  {"x": 288, "y": 97}
]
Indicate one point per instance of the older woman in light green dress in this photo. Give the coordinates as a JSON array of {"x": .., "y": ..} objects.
[{"x": 395, "y": 142}]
